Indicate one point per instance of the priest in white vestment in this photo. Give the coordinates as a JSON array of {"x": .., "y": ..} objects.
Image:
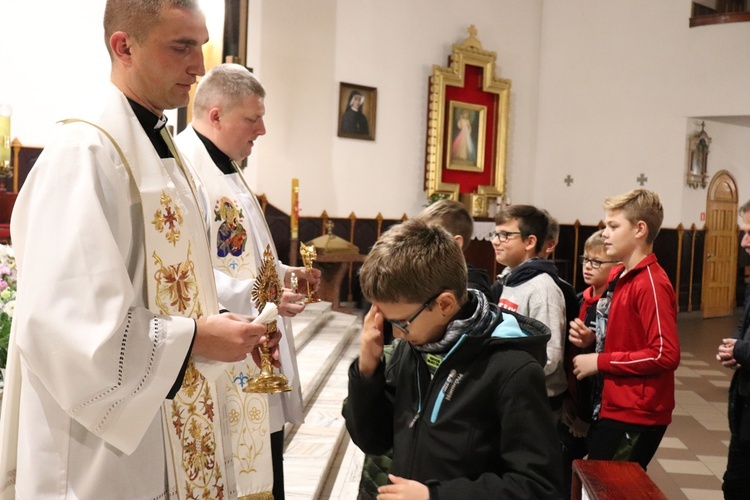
[
  {"x": 116, "y": 383},
  {"x": 228, "y": 115}
]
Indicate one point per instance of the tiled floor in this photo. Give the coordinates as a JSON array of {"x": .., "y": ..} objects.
[{"x": 692, "y": 457}]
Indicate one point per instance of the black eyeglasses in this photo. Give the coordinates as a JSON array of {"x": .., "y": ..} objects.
[
  {"x": 595, "y": 264},
  {"x": 404, "y": 325},
  {"x": 502, "y": 236}
]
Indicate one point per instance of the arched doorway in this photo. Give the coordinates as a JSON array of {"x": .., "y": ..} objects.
[{"x": 720, "y": 252}]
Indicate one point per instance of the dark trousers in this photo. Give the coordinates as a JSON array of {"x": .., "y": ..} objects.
[
  {"x": 572, "y": 448},
  {"x": 737, "y": 477},
  {"x": 610, "y": 440},
  {"x": 277, "y": 457}
]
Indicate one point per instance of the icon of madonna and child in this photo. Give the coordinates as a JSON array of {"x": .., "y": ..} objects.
[{"x": 232, "y": 236}]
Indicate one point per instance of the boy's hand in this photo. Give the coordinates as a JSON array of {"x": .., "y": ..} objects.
[
  {"x": 726, "y": 354},
  {"x": 371, "y": 347},
  {"x": 403, "y": 489},
  {"x": 585, "y": 365},
  {"x": 578, "y": 428},
  {"x": 581, "y": 335}
]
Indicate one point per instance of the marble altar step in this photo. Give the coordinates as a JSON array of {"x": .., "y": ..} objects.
[{"x": 326, "y": 343}]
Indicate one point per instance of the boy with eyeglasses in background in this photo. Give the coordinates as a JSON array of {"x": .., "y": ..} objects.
[
  {"x": 584, "y": 396},
  {"x": 461, "y": 399},
  {"x": 531, "y": 286}
]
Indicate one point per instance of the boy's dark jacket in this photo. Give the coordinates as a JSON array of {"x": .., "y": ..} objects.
[{"x": 481, "y": 428}]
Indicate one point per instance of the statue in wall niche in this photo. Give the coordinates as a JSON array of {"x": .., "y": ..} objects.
[{"x": 697, "y": 169}]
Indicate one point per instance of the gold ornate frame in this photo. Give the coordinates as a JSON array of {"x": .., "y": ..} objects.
[{"x": 469, "y": 52}]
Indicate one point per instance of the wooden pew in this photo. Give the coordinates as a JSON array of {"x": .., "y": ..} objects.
[{"x": 607, "y": 480}]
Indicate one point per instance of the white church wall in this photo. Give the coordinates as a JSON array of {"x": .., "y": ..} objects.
[
  {"x": 307, "y": 50},
  {"x": 619, "y": 81},
  {"x": 603, "y": 91},
  {"x": 54, "y": 62}
]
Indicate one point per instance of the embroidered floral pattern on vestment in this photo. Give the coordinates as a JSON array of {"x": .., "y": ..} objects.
[
  {"x": 177, "y": 288},
  {"x": 170, "y": 218}
]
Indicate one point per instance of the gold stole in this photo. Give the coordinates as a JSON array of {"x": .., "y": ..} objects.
[{"x": 233, "y": 252}]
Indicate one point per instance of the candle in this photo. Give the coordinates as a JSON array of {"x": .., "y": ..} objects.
[
  {"x": 4, "y": 138},
  {"x": 294, "y": 216}
]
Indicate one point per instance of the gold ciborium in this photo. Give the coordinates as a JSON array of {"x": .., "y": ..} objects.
[
  {"x": 309, "y": 254},
  {"x": 267, "y": 288}
]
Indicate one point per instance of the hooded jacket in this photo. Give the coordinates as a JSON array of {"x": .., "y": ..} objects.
[
  {"x": 642, "y": 349},
  {"x": 480, "y": 428},
  {"x": 532, "y": 289}
]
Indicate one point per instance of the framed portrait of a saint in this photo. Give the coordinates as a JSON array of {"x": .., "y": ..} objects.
[
  {"x": 357, "y": 111},
  {"x": 466, "y": 136}
]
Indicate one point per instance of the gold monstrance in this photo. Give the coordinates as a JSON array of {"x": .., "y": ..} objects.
[{"x": 267, "y": 288}]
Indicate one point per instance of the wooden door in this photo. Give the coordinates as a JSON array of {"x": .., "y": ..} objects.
[{"x": 720, "y": 252}]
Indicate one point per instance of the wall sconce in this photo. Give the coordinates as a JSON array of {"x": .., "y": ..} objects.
[{"x": 697, "y": 167}]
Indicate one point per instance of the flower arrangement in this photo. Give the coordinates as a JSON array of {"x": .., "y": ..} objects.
[{"x": 8, "y": 284}]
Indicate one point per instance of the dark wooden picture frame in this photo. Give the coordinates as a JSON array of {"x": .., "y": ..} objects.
[{"x": 357, "y": 111}]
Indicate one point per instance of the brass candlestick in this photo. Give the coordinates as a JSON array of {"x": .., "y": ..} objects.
[
  {"x": 308, "y": 257},
  {"x": 267, "y": 288}
]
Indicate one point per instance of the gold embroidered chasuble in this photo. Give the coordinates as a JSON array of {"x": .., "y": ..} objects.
[
  {"x": 233, "y": 252},
  {"x": 246, "y": 455},
  {"x": 146, "y": 248},
  {"x": 234, "y": 292}
]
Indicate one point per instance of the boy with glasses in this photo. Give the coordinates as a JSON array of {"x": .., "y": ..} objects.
[
  {"x": 584, "y": 396},
  {"x": 531, "y": 286},
  {"x": 461, "y": 399}
]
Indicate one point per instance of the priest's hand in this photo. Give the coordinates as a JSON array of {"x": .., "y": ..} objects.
[
  {"x": 371, "y": 345},
  {"x": 273, "y": 349},
  {"x": 228, "y": 337},
  {"x": 292, "y": 303},
  {"x": 304, "y": 277}
]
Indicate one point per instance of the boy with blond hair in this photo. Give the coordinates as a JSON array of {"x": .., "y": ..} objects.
[
  {"x": 580, "y": 408},
  {"x": 452, "y": 216},
  {"x": 638, "y": 320},
  {"x": 461, "y": 399}
]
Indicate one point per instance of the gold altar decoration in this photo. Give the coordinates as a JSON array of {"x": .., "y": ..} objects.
[
  {"x": 6, "y": 171},
  {"x": 472, "y": 187},
  {"x": 330, "y": 244},
  {"x": 267, "y": 288},
  {"x": 308, "y": 257}
]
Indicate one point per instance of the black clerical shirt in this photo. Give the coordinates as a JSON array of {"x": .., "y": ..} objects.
[
  {"x": 220, "y": 159},
  {"x": 152, "y": 125}
]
